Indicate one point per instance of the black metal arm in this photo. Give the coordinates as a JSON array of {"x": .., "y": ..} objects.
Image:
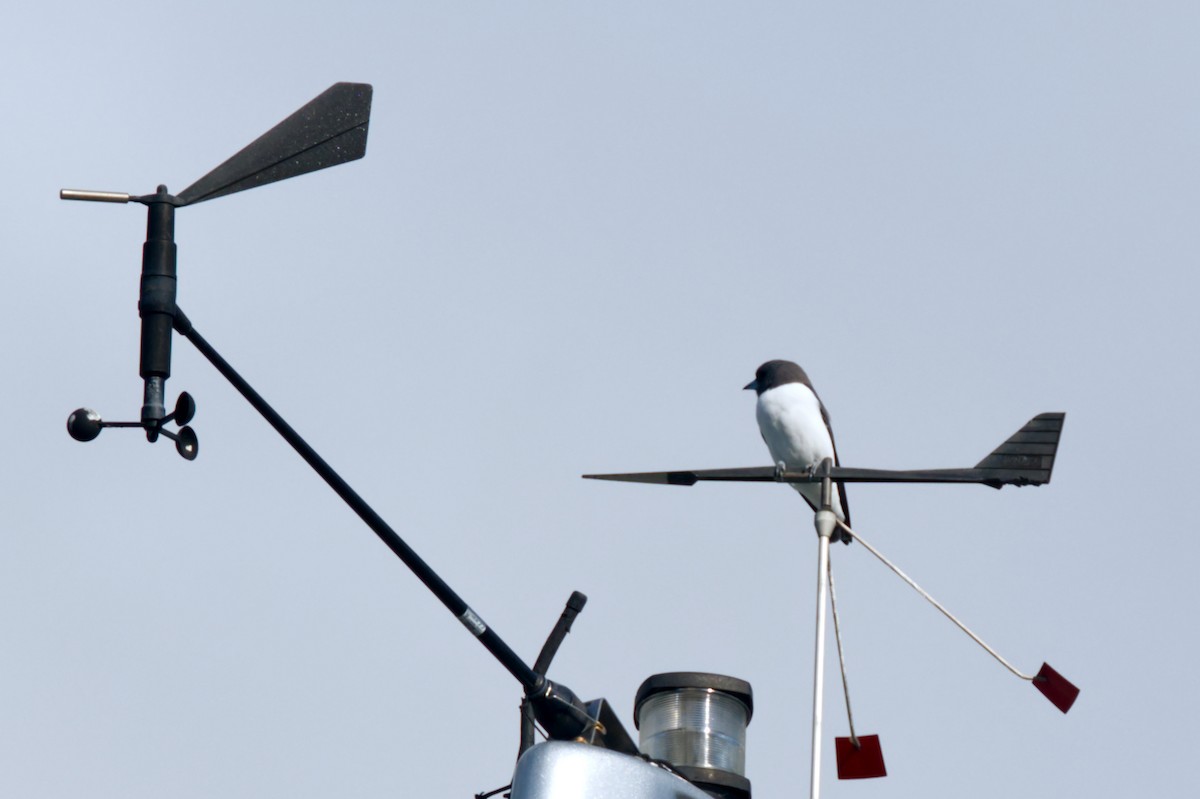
[
  {"x": 453, "y": 602},
  {"x": 558, "y": 709}
]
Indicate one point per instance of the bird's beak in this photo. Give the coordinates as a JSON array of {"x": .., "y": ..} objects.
[{"x": 751, "y": 386}]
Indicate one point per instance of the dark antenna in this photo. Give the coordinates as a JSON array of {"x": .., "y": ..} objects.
[{"x": 1025, "y": 458}]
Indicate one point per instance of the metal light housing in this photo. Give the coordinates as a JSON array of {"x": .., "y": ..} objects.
[{"x": 697, "y": 722}]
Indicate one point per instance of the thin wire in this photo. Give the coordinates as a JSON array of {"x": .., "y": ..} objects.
[
  {"x": 937, "y": 605},
  {"x": 492, "y": 793},
  {"x": 837, "y": 634}
]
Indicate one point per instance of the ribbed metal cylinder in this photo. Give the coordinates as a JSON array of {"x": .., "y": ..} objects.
[{"x": 695, "y": 727}]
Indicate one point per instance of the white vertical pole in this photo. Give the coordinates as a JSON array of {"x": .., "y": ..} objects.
[{"x": 825, "y": 522}]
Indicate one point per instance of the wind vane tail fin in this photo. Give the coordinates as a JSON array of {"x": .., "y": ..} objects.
[{"x": 1027, "y": 457}]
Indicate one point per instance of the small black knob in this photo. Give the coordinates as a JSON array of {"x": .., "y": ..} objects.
[{"x": 84, "y": 424}]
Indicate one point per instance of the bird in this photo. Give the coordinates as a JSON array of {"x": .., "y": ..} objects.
[{"x": 795, "y": 426}]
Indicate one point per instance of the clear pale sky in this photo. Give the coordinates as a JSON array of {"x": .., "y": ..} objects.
[{"x": 577, "y": 231}]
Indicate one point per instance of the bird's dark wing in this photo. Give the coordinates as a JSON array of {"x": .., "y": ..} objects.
[{"x": 837, "y": 462}]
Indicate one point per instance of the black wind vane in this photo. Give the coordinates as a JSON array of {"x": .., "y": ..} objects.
[
  {"x": 1025, "y": 458},
  {"x": 329, "y": 130}
]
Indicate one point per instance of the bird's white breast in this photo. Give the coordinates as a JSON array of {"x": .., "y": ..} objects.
[{"x": 789, "y": 417}]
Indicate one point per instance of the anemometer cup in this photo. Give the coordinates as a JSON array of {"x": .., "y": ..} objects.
[
  {"x": 185, "y": 410},
  {"x": 186, "y": 443}
]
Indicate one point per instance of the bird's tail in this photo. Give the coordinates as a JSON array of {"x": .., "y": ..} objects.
[{"x": 843, "y": 532}]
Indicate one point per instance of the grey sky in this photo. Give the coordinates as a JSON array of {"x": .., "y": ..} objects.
[{"x": 577, "y": 231}]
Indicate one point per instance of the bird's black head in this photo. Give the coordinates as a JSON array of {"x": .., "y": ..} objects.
[{"x": 777, "y": 373}]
